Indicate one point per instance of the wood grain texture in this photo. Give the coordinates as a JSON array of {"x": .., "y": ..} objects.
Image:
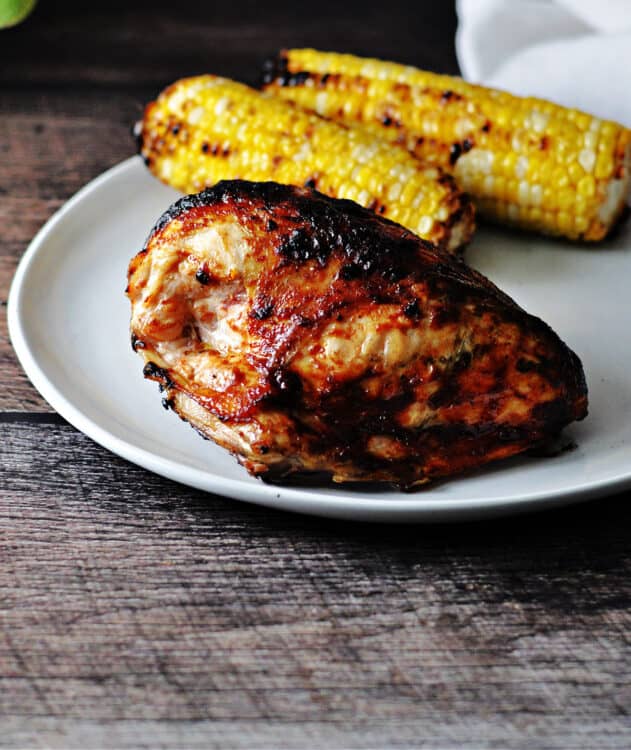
[
  {"x": 50, "y": 146},
  {"x": 137, "y": 613},
  {"x": 129, "y": 44}
]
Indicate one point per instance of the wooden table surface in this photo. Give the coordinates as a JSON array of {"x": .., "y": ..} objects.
[{"x": 135, "y": 612}]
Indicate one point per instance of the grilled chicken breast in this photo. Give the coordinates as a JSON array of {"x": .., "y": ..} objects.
[{"x": 307, "y": 334}]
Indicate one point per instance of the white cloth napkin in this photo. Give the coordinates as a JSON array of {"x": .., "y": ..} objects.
[{"x": 574, "y": 52}]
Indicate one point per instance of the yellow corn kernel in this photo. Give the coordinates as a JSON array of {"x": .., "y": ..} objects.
[
  {"x": 565, "y": 199},
  {"x": 604, "y": 167},
  {"x": 564, "y": 222},
  {"x": 581, "y": 205},
  {"x": 581, "y": 223},
  {"x": 587, "y": 186},
  {"x": 560, "y": 178},
  {"x": 499, "y": 190},
  {"x": 575, "y": 172}
]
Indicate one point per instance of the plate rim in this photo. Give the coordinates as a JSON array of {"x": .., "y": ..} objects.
[{"x": 410, "y": 507}]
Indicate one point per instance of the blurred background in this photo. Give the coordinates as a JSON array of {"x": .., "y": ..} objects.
[{"x": 149, "y": 43}]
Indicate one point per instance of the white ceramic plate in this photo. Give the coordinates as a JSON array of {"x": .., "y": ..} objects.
[{"x": 68, "y": 320}]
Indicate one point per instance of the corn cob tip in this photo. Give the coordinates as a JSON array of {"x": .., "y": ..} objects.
[{"x": 525, "y": 161}]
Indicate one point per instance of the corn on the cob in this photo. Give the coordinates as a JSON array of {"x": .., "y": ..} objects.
[
  {"x": 525, "y": 161},
  {"x": 201, "y": 130}
]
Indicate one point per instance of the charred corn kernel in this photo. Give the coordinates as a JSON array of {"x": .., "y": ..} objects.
[
  {"x": 237, "y": 132},
  {"x": 475, "y": 133}
]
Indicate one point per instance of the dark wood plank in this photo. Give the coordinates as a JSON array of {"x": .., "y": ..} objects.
[
  {"x": 132, "y": 606},
  {"x": 51, "y": 146},
  {"x": 119, "y": 44}
]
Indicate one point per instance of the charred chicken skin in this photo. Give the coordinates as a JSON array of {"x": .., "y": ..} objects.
[{"x": 307, "y": 334}]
